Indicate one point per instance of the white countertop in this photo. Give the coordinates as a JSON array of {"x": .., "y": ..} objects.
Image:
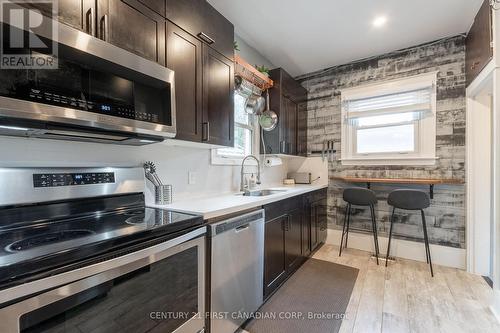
[{"x": 216, "y": 206}]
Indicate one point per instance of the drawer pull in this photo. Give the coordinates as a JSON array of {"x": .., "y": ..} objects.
[{"x": 206, "y": 38}]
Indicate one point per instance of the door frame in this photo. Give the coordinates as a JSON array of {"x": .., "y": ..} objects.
[{"x": 480, "y": 173}]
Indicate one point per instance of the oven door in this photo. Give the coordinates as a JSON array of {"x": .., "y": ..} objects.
[{"x": 160, "y": 292}]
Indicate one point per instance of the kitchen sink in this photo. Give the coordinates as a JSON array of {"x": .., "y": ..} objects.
[{"x": 262, "y": 193}]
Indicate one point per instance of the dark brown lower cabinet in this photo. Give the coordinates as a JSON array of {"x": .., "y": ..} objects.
[
  {"x": 316, "y": 205},
  {"x": 283, "y": 248},
  {"x": 293, "y": 239},
  {"x": 274, "y": 253},
  {"x": 306, "y": 232},
  {"x": 294, "y": 228},
  {"x": 283, "y": 241},
  {"x": 318, "y": 224}
]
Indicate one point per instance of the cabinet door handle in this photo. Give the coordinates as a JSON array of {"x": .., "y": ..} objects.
[
  {"x": 206, "y": 38},
  {"x": 205, "y": 131},
  {"x": 90, "y": 21},
  {"x": 105, "y": 28}
]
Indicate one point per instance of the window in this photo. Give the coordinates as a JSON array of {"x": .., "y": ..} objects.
[
  {"x": 245, "y": 136},
  {"x": 390, "y": 123}
]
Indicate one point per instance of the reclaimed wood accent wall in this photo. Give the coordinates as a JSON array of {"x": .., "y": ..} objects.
[{"x": 446, "y": 216}]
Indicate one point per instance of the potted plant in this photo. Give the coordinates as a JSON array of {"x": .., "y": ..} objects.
[{"x": 263, "y": 69}]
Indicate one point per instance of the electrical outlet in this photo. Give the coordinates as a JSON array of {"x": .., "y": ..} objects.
[{"x": 191, "y": 177}]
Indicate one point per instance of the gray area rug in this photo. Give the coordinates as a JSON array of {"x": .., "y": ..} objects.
[{"x": 313, "y": 300}]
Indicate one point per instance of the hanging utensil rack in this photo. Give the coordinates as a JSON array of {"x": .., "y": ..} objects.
[{"x": 250, "y": 73}]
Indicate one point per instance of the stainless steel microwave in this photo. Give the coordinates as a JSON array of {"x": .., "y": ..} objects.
[{"x": 98, "y": 92}]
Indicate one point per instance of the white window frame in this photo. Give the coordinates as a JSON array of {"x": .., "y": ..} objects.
[
  {"x": 425, "y": 128},
  {"x": 220, "y": 159}
]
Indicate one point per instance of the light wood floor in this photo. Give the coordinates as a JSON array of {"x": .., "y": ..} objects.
[{"x": 405, "y": 298}]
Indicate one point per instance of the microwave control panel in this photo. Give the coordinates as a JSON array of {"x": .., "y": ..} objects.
[
  {"x": 71, "y": 179},
  {"x": 117, "y": 110}
]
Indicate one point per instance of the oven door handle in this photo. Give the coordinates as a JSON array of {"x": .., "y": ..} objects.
[{"x": 10, "y": 315}]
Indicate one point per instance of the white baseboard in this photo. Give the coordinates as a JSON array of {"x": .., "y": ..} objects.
[{"x": 441, "y": 255}]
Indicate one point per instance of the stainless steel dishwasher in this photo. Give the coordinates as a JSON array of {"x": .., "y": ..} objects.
[{"x": 237, "y": 270}]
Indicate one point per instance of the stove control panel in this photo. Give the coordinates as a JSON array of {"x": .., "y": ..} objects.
[{"x": 71, "y": 179}]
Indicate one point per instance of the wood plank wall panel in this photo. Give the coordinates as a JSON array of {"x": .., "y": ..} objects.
[{"x": 446, "y": 216}]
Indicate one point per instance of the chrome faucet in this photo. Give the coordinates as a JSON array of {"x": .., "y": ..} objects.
[{"x": 242, "y": 184}]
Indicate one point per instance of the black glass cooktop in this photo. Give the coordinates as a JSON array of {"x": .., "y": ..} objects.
[{"x": 41, "y": 238}]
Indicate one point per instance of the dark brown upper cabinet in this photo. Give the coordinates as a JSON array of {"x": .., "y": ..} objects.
[
  {"x": 218, "y": 98},
  {"x": 479, "y": 50},
  {"x": 184, "y": 56},
  {"x": 158, "y": 6},
  {"x": 291, "y": 109},
  {"x": 200, "y": 49},
  {"x": 79, "y": 14},
  {"x": 288, "y": 99},
  {"x": 302, "y": 129},
  {"x": 187, "y": 36},
  {"x": 219, "y": 30},
  {"x": 200, "y": 19},
  {"x": 128, "y": 24},
  {"x": 132, "y": 26}
]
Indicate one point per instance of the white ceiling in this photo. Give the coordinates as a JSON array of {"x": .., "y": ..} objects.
[{"x": 303, "y": 36}]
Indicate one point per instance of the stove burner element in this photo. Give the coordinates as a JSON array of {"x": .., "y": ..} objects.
[
  {"x": 138, "y": 219},
  {"x": 36, "y": 241},
  {"x": 135, "y": 212}
]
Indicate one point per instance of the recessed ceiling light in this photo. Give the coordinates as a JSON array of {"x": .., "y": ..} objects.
[{"x": 379, "y": 21}]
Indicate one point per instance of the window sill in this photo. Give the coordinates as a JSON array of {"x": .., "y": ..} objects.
[
  {"x": 218, "y": 160},
  {"x": 410, "y": 161}
]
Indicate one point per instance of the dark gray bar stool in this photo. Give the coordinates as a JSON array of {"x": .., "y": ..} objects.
[
  {"x": 410, "y": 200},
  {"x": 359, "y": 197}
]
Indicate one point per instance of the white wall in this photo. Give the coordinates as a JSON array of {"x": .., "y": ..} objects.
[
  {"x": 251, "y": 55},
  {"x": 315, "y": 165},
  {"x": 173, "y": 163}
]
